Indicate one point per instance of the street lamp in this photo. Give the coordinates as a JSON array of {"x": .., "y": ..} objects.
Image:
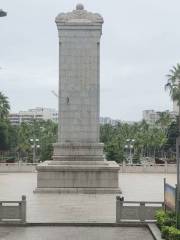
[
  {"x": 3, "y": 13},
  {"x": 129, "y": 146},
  {"x": 34, "y": 146}
]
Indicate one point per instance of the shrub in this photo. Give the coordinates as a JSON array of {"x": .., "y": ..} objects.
[
  {"x": 174, "y": 234},
  {"x": 165, "y": 218},
  {"x": 170, "y": 222},
  {"x": 166, "y": 221},
  {"x": 165, "y": 232},
  {"x": 170, "y": 233},
  {"x": 160, "y": 218}
]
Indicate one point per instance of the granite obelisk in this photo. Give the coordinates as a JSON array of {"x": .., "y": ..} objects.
[{"x": 78, "y": 163}]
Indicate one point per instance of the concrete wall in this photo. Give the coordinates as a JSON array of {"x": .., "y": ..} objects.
[
  {"x": 13, "y": 211},
  {"x": 17, "y": 167},
  {"x": 136, "y": 211},
  {"x": 153, "y": 168},
  {"x": 24, "y": 167}
]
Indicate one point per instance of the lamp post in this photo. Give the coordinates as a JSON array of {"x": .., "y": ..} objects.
[
  {"x": 34, "y": 146},
  {"x": 3, "y": 13},
  {"x": 129, "y": 146}
]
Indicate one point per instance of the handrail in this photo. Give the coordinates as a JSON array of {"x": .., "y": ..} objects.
[
  {"x": 143, "y": 202},
  {"x": 136, "y": 210},
  {"x": 10, "y": 201},
  {"x": 13, "y": 213}
]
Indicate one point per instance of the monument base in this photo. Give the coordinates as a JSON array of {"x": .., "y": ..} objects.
[
  {"x": 79, "y": 190},
  {"x": 78, "y": 177},
  {"x": 78, "y": 168}
]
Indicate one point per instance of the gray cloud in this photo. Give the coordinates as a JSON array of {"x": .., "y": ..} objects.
[{"x": 140, "y": 43}]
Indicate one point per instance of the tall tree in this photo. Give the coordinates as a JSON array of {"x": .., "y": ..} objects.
[
  {"x": 164, "y": 120},
  {"x": 4, "y": 106},
  {"x": 4, "y": 124},
  {"x": 174, "y": 86},
  {"x": 3, "y": 136}
]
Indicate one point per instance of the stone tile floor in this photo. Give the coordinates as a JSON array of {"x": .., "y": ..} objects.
[
  {"x": 79, "y": 207},
  {"x": 74, "y": 233}
]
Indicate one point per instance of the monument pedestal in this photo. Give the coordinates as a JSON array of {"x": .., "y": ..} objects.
[{"x": 78, "y": 168}]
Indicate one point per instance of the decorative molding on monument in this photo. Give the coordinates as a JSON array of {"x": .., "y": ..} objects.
[
  {"x": 79, "y": 145},
  {"x": 79, "y": 15}
]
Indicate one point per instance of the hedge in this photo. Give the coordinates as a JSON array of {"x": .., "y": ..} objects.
[{"x": 166, "y": 222}]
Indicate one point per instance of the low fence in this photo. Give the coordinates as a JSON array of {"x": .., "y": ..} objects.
[
  {"x": 134, "y": 168},
  {"x": 148, "y": 168},
  {"x": 138, "y": 211},
  {"x": 17, "y": 167},
  {"x": 13, "y": 211}
]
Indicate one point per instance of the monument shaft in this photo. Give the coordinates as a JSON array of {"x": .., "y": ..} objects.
[{"x": 79, "y": 83}]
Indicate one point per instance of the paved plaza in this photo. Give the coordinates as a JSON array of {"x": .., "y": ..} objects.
[
  {"x": 43, "y": 207},
  {"x": 75, "y": 233}
]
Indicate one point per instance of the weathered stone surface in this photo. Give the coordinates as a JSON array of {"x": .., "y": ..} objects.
[
  {"x": 75, "y": 233},
  {"x": 79, "y": 16},
  {"x": 78, "y": 149},
  {"x": 79, "y": 104},
  {"x": 78, "y": 177}
]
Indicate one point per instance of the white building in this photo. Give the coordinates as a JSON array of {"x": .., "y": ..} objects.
[
  {"x": 33, "y": 114},
  {"x": 108, "y": 120},
  {"x": 152, "y": 116}
]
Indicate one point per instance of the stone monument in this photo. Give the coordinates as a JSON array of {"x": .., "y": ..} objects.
[{"x": 78, "y": 163}]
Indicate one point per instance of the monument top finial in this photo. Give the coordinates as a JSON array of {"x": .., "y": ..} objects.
[
  {"x": 79, "y": 6},
  {"x": 79, "y": 16}
]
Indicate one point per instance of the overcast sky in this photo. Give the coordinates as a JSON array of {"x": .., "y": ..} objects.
[{"x": 140, "y": 43}]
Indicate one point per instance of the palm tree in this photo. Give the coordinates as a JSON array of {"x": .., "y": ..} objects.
[
  {"x": 173, "y": 83},
  {"x": 4, "y": 106},
  {"x": 164, "y": 120}
]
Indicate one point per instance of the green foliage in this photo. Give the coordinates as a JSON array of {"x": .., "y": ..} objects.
[
  {"x": 3, "y": 136},
  {"x": 166, "y": 221},
  {"x": 18, "y": 139},
  {"x": 160, "y": 217},
  {"x": 136, "y": 157},
  {"x": 164, "y": 120},
  {"x": 12, "y": 136},
  {"x": 8, "y": 141},
  {"x": 165, "y": 218},
  {"x": 170, "y": 233},
  {"x": 170, "y": 146},
  {"x": 47, "y": 138},
  {"x": 4, "y": 124},
  {"x": 46, "y": 152},
  {"x": 165, "y": 232},
  {"x": 4, "y": 107},
  {"x": 149, "y": 141},
  {"x": 114, "y": 152},
  {"x": 173, "y": 83}
]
